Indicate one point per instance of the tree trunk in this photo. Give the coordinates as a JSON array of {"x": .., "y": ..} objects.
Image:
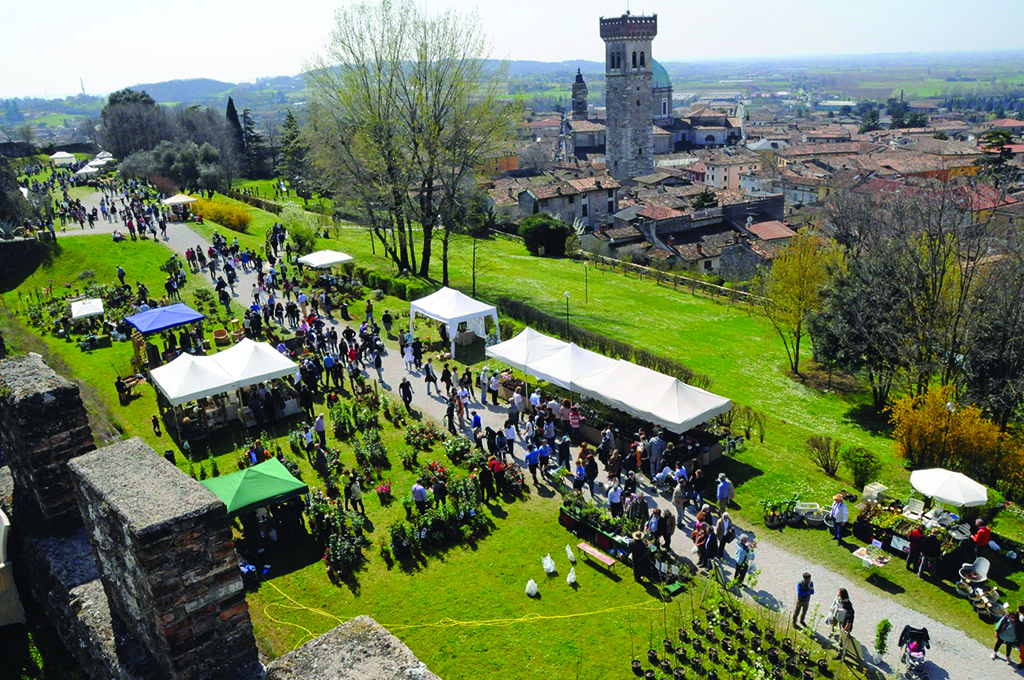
[
  {"x": 444, "y": 256},
  {"x": 428, "y": 234}
]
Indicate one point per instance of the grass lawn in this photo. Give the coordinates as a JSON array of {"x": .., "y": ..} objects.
[
  {"x": 99, "y": 368},
  {"x": 267, "y": 190}
]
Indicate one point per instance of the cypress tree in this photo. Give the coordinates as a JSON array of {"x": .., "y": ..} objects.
[{"x": 235, "y": 125}]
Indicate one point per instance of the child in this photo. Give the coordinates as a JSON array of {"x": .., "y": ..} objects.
[{"x": 156, "y": 424}]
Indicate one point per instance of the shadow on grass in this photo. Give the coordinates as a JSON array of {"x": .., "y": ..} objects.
[
  {"x": 865, "y": 416},
  {"x": 287, "y": 555},
  {"x": 885, "y": 585}
]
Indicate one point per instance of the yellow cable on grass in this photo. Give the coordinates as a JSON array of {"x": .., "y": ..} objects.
[{"x": 446, "y": 622}]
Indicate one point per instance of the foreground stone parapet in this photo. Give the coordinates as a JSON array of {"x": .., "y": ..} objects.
[
  {"x": 360, "y": 649},
  {"x": 43, "y": 425},
  {"x": 165, "y": 554}
]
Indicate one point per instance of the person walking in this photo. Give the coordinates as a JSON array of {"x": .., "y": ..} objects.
[
  {"x": 405, "y": 391},
  {"x": 724, "y": 493},
  {"x": 419, "y": 496},
  {"x": 1006, "y": 632},
  {"x": 615, "y": 499},
  {"x": 321, "y": 430},
  {"x": 931, "y": 548},
  {"x": 532, "y": 459},
  {"x": 846, "y": 624},
  {"x": 357, "y": 495},
  {"x": 410, "y": 360},
  {"x": 679, "y": 499},
  {"x": 725, "y": 532},
  {"x": 915, "y": 538},
  {"x": 487, "y": 482},
  {"x": 804, "y": 590},
  {"x": 744, "y": 556},
  {"x": 430, "y": 377},
  {"x": 839, "y": 513}
]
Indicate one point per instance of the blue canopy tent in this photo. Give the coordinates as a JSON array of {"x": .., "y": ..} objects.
[{"x": 162, "y": 318}]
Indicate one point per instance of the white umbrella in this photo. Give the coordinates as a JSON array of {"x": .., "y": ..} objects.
[
  {"x": 179, "y": 199},
  {"x": 86, "y": 308},
  {"x": 322, "y": 259},
  {"x": 950, "y": 487}
]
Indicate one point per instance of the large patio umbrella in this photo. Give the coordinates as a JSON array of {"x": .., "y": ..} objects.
[
  {"x": 179, "y": 199},
  {"x": 324, "y": 259},
  {"x": 949, "y": 487}
]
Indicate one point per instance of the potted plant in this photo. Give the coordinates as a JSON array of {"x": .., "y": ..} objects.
[
  {"x": 815, "y": 519},
  {"x": 652, "y": 657},
  {"x": 773, "y": 517},
  {"x": 638, "y": 668},
  {"x": 384, "y": 492}
]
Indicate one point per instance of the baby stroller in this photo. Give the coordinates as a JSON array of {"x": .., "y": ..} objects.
[{"x": 913, "y": 643}]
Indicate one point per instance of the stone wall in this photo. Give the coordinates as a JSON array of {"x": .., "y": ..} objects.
[
  {"x": 360, "y": 649},
  {"x": 43, "y": 425},
  {"x": 164, "y": 552}
]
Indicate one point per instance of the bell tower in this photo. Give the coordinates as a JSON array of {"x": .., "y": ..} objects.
[
  {"x": 579, "y": 98},
  {"x": 629, "y": 99}
]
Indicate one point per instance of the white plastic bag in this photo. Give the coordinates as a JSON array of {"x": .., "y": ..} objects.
[
  {"x": 569, "y": 554},
  {"x": 549, "y": 564},
  {"x": 531, "y": 588},
  {"x": 571, "y": 578}
]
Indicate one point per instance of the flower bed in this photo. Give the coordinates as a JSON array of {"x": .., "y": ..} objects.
[
  {"x": 458, "y": 520},
  {"x": 423, "y": 437}
]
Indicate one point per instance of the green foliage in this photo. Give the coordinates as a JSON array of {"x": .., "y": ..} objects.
[
  {"x": 862, "y": 463},
  {"x": 409, "y": 458},
  {"x": 405, "y": 287},
  {"x": 882, "y": 637},
  {"x": 457, "y": 448},
  {"x": 423, "y": 436},
  {"x": 544, "y": 231},
  {"x": 370, "y": 451},
  {"x": 705, "y": 199},
  {"x": 301, "y": 229}
]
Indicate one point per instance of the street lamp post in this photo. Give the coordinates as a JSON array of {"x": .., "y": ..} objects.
[
  {"x": 567, "y": 315},
  {"x": 950, "y": 408}
]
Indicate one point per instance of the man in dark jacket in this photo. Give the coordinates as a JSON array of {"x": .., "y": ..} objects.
[
  {"x": 640, "y": 554},
  {"x": 931, "y": 548}
]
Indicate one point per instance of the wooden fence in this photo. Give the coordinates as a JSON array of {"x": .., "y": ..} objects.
[{"x": 676, "y": 280}]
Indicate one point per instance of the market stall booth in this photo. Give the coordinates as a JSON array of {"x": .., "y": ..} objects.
[
  {"x": 159, "y": 320},
  {"x": 529, "y": 346},
  {"x": 255, "y": 487},
  {"x": 83, "y": 309},
  {"x": 453, "y": 308},
  {"x": 325, "y": 259},
  {"x": 62, "y": 158},
  {"x": 219, "y": 386}
]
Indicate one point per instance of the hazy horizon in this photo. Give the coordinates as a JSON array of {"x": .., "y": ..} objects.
[{"x": 199, "y": 40}]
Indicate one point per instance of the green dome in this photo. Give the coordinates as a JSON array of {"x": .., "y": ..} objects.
[{"x": 660, "y": 76}]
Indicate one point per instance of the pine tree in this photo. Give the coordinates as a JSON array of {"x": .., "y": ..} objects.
[
  {"x": 252, "y": 143},
  {"x": 293, "y": 148},
  {"x": 235, "y": 125}
]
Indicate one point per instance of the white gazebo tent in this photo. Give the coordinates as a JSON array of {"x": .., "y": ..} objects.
[
  {"x": 324, "y": 259},
  {"x": 524, "y": 349},
  {"x": 86, "y": 308},
  {"x": 652, "y": 396},
  {"x": 188, "y": 378},
  {"x": 179, "y": 199},
  {"x": 88, "y": 170},
  {"x": 62, "y": 158},
  {"x": 98, "y": 162},
  {"x": 949, "y": 487},
  {"x": 568, "y": 365},
  {"x": 451, "y": 307},
  {"x": 105, "y": 155},
  {"x": 250, "y": 362}
]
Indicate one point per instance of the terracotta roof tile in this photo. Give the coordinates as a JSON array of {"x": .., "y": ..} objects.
[
  {"x": 659, "y": 213},
  {"x": 770, "y": 230}
]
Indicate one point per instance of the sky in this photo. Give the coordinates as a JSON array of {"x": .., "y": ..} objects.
[{"x": 49, "y": 44}]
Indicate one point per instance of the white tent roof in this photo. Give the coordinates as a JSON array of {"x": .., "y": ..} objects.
[
  {"x": 61, "y": 154},
  {"x": 250, "y": 362},
  {"x": 452, "y": 306},
  {"x": 105, "y": 154},
  {"x": 950, "y": 487},
  {"x": 98, "y": 162},
  {"x": 524, "y": 349},
  {"x": 88, "y": 170},
  {"x": 179, "y": 199},
  {"x": 86, "y": 308},
  {"x": 188, "y": 378},
  {"x": 652, "y": 396},
  {"x": 322, "y": 259},
  {"x": 568, "y": 365}
]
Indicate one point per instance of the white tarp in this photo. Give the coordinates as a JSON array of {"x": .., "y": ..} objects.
[
  {"x": 86, "y": 308},
  {"x": 188, "y": 378},
  {"x": 88, "y": 170},
  {"x": 451, "y": 307},
  {"x": 568, "y": 365},
  {"x": 524, "y": 349},
  {"x": 950, "y": 487},
  {"x": 323, "y": 259},
  {"x": 652, "y": 396},
  {"x": 62, "y": 158},
  {"x": 250, "y": 362},
  {"x": 179, "y": 199}
]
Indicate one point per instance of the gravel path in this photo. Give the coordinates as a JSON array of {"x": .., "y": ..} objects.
[{"x": 953, "y": 655}]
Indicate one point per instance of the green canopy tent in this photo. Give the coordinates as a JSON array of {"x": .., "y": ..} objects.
[{"x": 255, "y": 487}]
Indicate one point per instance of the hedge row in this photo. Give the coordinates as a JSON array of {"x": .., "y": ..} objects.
[
  {"x": 602, "y": 344},
  {"x": 402, "y": 287},
  {"x": 255, "y": 201}
]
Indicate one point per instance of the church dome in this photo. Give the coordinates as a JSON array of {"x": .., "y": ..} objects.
[{"x": 660, "y": 77}]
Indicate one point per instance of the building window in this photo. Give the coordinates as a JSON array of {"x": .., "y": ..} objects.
[
  {"x": 611, "y": 60},
  {"x": 585, "y": 206},
  {"x": 611, "y": 205},
  {"x": 611, "y": 193},
  {"x": 664, "y": 108},
  {"x": 638, "y": 102},
  {"x": 634, "y": 60},
  {"x": 642, "y": 61},
  {"x": 707, "y": 265},
  {"x": 639, "y": 151},
  {"x": 572, "y": 199}
]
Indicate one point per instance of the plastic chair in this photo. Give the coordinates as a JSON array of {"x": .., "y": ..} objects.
[
  {"x": 979, "y": 566},
  {"x": 914, "y": 509}
]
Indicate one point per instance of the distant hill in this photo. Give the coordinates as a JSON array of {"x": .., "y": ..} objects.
[
  {"x": 184, "y": 90},
  {"x": 529, "y": 68}
]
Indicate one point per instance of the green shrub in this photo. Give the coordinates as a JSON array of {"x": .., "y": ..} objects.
[
  {"x": 824, "y": 453},
  {"x": 882, "y": 637},
  {"x": 544, "y": 231},
  {"x": 457, "y": 448},
  {"x": 863, "y": 464}
]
